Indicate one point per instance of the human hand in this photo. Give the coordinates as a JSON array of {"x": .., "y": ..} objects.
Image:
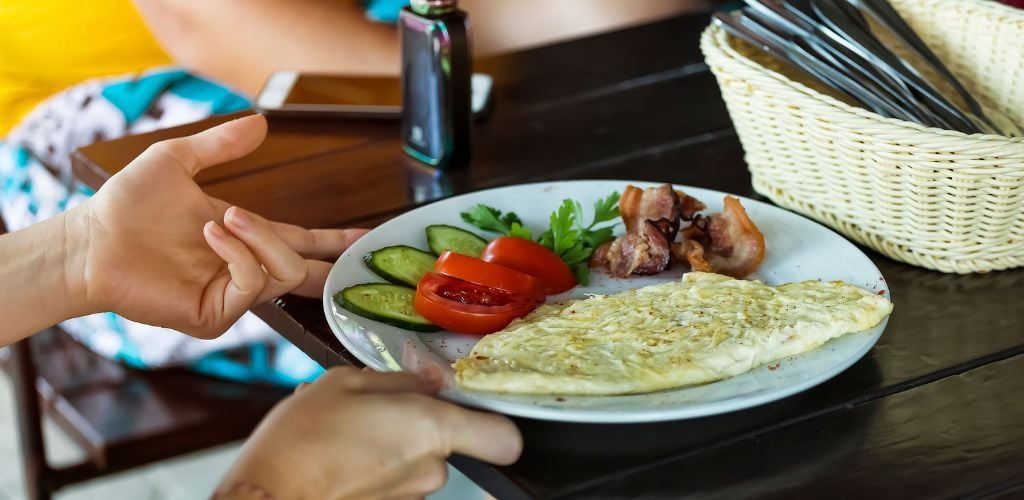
[
  {"x": 360, "y": 434},
  {"x": 151, "y": 246}
]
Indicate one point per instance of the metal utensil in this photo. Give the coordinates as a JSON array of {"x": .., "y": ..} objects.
[
  {"x": 787, "y": 52},
  {"x": 834, "y": 50},
  {"x": 885, "y": 15},
  {"x": 802, "y": 11},
  {"x": 838, "y": 19},
  {"x": 835, "y": 57}
]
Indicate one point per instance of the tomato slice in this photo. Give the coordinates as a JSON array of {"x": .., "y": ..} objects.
[
  {"x": 477, "y": 271},
  {"x": 460, "y": 306},
  {"x": 531, "y": 258}
]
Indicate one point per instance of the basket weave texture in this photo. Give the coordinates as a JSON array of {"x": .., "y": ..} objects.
[{"x": 935, "y": 198}]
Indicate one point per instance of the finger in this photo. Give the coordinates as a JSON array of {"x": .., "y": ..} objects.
[
  {"x": 485, "y": 436},
  {"x": 430, "y": 371},
  {"x": 382, "y": 382},
  {"x": 301, "y": 387},
  {"x": 213, "y": 146},
  {"x": 247, "y": 277},
  {"x": 285, "y": 268},
  {"x": 317, "y": 243},
  {"x": 316, "y": 277}
]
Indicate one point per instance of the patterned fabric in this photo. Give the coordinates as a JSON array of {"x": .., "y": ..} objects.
[
  {"x": 384, "y": 11},
  {"x": 36, "y": 183}
]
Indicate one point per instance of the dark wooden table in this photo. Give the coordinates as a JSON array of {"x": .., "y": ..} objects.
[{"x": 936, "y": 409}]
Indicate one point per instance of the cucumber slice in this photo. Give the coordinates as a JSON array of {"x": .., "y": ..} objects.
[
  {"x": 441, "y": 237},
  {"x": 387, "y": 303},
  {"x": 400, "y": 264}
]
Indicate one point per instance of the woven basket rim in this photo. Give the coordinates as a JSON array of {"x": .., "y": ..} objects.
[
  {"x": 717, "y": 38},
  {"x": 1015, "y": 14}
]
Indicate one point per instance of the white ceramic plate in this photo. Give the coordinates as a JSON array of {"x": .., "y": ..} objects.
[{"x": 797, "y": 249}]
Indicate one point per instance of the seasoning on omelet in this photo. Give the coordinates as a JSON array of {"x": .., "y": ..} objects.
[{"x": 704, "y": 328}]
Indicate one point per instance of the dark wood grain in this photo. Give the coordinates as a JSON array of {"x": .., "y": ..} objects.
[
  {"x": 952, "y": 438},
  {"x": 534, "y": 80},
  {"x": 287, "y": 141}
]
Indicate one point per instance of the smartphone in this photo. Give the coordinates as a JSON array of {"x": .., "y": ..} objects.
[{"x": 292, "y": 93}]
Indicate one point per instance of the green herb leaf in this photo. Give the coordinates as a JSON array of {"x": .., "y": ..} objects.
[
  {"x": 598, "y": 237},
  {"x": 573, "y": 240},
  {"x": 580, "y": 252},
  {"x": 491, "y": 219},
  {"x": 511, "y": 218},
  {"x": 577, "y": 212},
  {"x": 516, "y": 229},
  {"x": 562, "y": 235},
  {"x": 606, "y": 209},
  {"x": 546, "y": 239},
  {"x": 582, "y": 273}
]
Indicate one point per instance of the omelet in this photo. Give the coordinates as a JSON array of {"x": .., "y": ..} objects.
[{"x": 704, "y": 328}]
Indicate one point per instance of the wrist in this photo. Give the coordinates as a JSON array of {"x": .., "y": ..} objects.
[
  {"x": 72, "y": 263},
  {"x": 269, "y": 461},
  {"x": 42, "y": 269}
]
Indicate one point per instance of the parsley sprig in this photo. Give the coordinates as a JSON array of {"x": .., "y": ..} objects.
[
  {"x": 491, "y": 219},
  {"x": 568, "y": 235}
]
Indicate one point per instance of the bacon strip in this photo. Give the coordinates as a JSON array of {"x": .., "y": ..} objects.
[
  {"x": 645, "y": 253},
  {"x": 692, "y": 252},
  {"x": 737, "y": 246},
  {"x": 727, "y": 243},
  {"x": 639, "y": 205},
  {"x": 688, "y": 205}
]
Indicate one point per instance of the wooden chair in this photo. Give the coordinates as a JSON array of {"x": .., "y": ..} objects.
[{"x": 122, "y": 417}]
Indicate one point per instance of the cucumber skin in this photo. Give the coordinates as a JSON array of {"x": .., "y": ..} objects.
[
  {"x": 339, "y": 299},
  {"x": 433, "y": 247},
  {"x": 368, "y": 260}
]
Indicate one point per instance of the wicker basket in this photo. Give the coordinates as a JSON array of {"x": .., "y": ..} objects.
[{"x": 935, "y": 198}]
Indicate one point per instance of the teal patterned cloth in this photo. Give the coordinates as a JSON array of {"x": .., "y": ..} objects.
[
  {"x": 384, "y": 11},
  {"x": 36, "y": 183}
]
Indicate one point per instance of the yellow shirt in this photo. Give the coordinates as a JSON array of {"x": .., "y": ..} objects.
[{"x": 49, "y": 45}]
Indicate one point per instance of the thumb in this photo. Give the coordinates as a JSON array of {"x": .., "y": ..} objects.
[
  {"x": 213, "y": 146},
  {"x": 486, "y": 436}
]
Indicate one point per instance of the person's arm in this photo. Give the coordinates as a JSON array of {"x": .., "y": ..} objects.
[
  {"x": 152, "y": 247},
  {"x": 240, "y": 42},
  {"x": 36, "y": 289}
]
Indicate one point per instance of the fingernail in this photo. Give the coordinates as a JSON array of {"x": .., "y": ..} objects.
[
  {"x": 216, "y": 230},
  {"x": 240, "y": 219}
]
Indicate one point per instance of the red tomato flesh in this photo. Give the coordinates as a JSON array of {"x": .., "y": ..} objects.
[
  {"x": 531, "y": 258},
  {"x": 460, "y": 306},
  {"x": 492, "y": 275}
]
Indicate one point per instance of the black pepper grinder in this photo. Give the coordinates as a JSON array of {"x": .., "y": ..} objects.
[{"x": 436, "y": 93}]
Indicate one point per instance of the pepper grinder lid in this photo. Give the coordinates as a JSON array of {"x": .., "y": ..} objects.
[{"x": 433, "y": 7}]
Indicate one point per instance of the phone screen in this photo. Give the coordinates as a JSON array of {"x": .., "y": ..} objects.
[{"x": 352, "y": 91}]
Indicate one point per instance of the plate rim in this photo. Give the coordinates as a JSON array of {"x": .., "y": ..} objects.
[{"x": 605, "y": 416}]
